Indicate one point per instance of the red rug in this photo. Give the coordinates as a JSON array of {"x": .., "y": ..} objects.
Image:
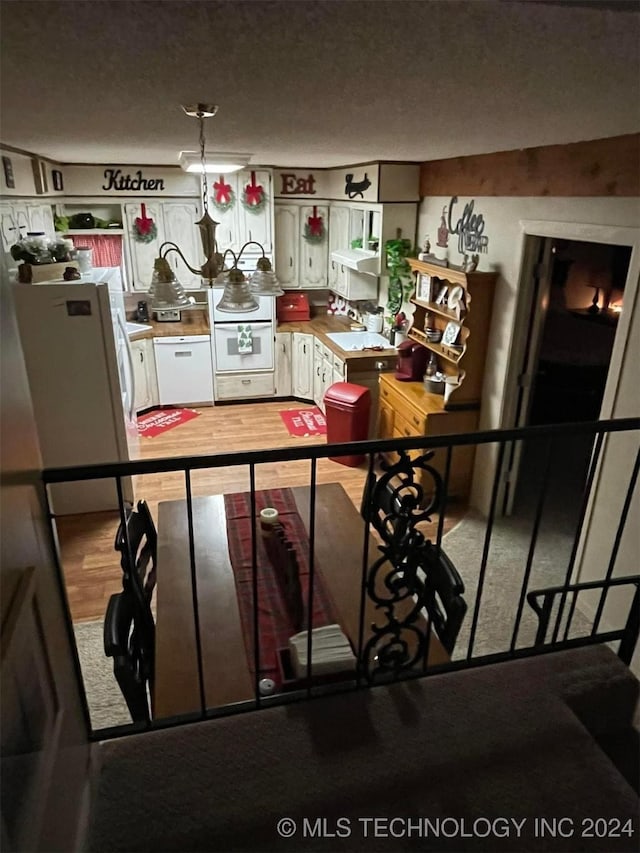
[
  {"x": 303, "y": 422},
  {"x": 157, "y": 422},
  {"x": 274, "y": 625}
]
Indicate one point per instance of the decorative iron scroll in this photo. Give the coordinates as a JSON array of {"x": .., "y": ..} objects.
[{"x": 394, "y": 503}]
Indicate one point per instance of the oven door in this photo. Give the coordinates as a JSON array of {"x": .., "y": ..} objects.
[{"x": 229, "y": 345}]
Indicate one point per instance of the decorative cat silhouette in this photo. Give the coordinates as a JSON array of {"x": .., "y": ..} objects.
[{"x": 354, "y": 188}]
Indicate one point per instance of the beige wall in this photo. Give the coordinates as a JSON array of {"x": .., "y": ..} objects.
[{"x": 23, "y": 543}]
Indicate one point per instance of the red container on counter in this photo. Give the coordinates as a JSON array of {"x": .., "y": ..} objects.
[{"x": 292, "y": 307}]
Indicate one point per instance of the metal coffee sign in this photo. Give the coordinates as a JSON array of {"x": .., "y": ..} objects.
[
  {"x": 115, "y": 180},
  {"x": 469, "y": 228}
]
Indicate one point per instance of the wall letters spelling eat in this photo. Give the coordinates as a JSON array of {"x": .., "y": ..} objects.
[
  {"x": 469, "y": 229},
  {"x": 115, "y": 180},
  {"x": 293, "y": 185}
]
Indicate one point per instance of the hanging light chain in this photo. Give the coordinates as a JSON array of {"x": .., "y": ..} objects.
[{"x": 205, "y": 185}]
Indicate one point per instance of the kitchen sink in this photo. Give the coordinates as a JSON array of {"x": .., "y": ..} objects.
[
  {"x": 351, "y": 341},
  {"x": 133, "y": 328}
]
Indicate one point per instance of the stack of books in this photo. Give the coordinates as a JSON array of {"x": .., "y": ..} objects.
[{"x": 331, "y": 652}]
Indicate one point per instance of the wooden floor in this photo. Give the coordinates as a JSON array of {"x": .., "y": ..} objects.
[{"x": 90, "y": 564}]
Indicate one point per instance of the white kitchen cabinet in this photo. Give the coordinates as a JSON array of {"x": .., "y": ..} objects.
[
  {"x": 144, "y": 374},
  {"x": 313, "y": 256},
  {"x": 283, "y": 377},
  {"x": 40, "y": 218},
  {"x": 237, "y": 225},
  {"x": 322, "y": 372},
  {"x": 286, "y": 255},
  {"x": 299, "y": 264},
  {"x": 338, "y": 239},
  {"x": 353, "y": 221},
  {"x": 179, "y": 220},
  {"x": 302, "y": 365},
  {"x": 142, "y": 255},
  {"x": 175, "y": 221},
  {"x": 17, "y": 218}
]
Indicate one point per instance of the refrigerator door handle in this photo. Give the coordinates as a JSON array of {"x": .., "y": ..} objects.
[{"x": 132, "y": 390}]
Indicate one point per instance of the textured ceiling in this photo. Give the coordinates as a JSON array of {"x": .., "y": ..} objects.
[{"x": 310, "y": 82}]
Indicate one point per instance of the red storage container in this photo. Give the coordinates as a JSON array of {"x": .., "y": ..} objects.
[
  {"x": 292, "y": 307},
  {"x": 347, "y": 413}
]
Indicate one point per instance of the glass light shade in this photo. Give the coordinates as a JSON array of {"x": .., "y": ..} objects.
[
  {"x": 222, "y": 164},
  {"x": 264, "y": 280},
  {"x": 166, "y": 292},
  {"x": 237, "y": 297}
]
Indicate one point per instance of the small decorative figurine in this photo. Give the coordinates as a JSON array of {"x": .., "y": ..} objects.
[
  {"x": 470, "y": 264},
  {"x": 71, "y": 274},
  {"x": 425, "y": 254}
]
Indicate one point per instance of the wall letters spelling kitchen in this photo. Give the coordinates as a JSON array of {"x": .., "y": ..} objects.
[
  {"x": 469, "y": 228},
  {"x": 115, "y": 180}
]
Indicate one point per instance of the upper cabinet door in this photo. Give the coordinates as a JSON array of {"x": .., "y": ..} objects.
[
  {"x": 313, "y": 255},
  {"x": 8, "y": 226},
  {"x": 224, "y": 192},
  {"x": 286, "y": 253},
  {"x": 338, "y": 239},
  {"x": 180, "y": 227},
  {"x": 143, "y": 255},
  {"x": 41, "y": 219},
  {"x": 256, "y": 224}
]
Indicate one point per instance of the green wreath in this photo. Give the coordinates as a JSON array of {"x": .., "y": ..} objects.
[
  {"x": 314, "y": 237},
  {"x": 224, "y": 206},
  {"x": 145, "y": 236},
  {"x": 255, "y": 208}
]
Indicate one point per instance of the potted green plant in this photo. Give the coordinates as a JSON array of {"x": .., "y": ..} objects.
[{"x": 397, "y": 251}]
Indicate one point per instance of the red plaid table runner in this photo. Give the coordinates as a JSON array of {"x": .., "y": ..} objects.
[{"x": 274, "y": 624}]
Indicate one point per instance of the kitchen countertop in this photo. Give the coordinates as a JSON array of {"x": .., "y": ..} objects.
[
  {"x": 320, "y": 324},
  {"x": 193, "y": 322},
  {"x": 196, "y": 322}
]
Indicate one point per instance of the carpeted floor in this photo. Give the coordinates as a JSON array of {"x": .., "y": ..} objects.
[
  {"x": 506, "y": 563},
  {"x": 106, "y": 705}
]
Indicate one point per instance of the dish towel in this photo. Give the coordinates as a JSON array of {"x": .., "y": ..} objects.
[{"x": 245, "y": 339}]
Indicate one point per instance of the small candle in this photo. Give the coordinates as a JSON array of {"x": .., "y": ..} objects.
[{"x": 268, "y": 517}]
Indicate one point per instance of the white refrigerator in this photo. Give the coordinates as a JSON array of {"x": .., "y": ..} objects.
[{"x": 80, "y": 370}]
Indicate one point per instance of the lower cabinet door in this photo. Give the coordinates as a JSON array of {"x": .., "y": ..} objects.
[{"x": 283, "y": 364}]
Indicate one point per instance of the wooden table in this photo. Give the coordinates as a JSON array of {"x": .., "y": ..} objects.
[{"x": 338, "y": 555}]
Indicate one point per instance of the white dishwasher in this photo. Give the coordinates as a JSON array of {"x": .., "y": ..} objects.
[{"x": 185, "y": 372}]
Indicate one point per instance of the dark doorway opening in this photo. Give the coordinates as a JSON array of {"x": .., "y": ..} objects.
[{"x": 570, "y": 365}]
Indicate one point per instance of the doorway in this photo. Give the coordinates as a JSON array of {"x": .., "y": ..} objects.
[{"x": 576, "y": 301}]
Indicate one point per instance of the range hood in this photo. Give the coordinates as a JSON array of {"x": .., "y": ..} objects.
[{"x": 358, "y": 259}]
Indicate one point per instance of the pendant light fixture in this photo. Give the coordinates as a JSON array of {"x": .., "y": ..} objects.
[{"x": 167, "y": 293}]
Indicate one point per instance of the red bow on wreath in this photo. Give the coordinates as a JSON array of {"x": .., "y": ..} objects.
[
  {"x": 253, "y": 192},
  {"x": 143, "y": 223},
  {"x": 222, "y": 191},
  {"x": 315, "y": 224}
]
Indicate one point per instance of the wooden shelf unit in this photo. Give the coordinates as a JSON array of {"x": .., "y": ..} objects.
[
  {"x": 474, "y": 325},
  {"x": 406, "y": 409}
]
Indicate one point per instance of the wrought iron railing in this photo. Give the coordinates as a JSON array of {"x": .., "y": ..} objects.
[{"x": 413, "y": 583}]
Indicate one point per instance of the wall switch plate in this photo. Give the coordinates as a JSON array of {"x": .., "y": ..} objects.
[{"x": 167, "y": 316}]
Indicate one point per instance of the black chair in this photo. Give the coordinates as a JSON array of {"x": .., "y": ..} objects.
[
  {"x": 138, "y": 564},
  {"x": 442, "y": 589},
  {"x": 128, "y": 641}
]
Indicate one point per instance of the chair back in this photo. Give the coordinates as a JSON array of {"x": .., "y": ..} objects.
[
  {"x": 127, "y": 641},
  {"x": 138, "y": 556},
  {"x": 442, "y": 589}
]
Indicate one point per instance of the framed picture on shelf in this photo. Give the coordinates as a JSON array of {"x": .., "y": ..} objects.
[
  {"x": 442, "y": 294},
  {"x": 450, "y": 334},
  {"x": 424, "y": 287}
]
